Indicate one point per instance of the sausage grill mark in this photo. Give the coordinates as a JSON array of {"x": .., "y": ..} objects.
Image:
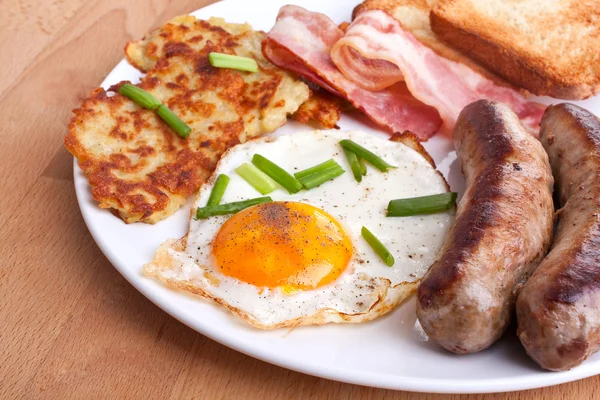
[
  {"x": 558, "y": 309},
  {"x": 502, "y": 230}
]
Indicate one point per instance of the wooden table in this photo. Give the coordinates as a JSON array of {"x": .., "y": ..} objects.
[{"x": 70, "y": 325}]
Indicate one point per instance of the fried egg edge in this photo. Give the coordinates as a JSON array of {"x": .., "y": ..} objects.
[{"x": 165, "y": 261}]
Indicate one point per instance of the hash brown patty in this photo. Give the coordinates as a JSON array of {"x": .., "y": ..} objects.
[{"x": 135, "y": 163}]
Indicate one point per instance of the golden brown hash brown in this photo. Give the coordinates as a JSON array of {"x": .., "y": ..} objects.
[
  {"x": 322, "y": 107},
  {"x": 135, "y": 163}
]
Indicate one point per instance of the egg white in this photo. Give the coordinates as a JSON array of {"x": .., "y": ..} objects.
[{"x": 368, "y": 287}]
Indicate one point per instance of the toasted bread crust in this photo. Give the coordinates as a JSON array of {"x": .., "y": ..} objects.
[{"x": 538, "y": 73}]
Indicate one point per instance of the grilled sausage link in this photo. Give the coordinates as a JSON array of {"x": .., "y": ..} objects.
[
  {"x": 502, "y": 230},
  {"x": 558, "y": 309}
]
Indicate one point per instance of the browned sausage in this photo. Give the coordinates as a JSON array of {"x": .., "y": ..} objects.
[
  {"x": 558, "y": 310},
  {"x": 502, "y": 230}
]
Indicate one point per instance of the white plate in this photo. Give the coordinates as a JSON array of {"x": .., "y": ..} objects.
[{"x": 390, "y": 352}]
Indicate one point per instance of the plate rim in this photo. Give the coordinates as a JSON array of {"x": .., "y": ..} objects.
[{"x": 370, "y": 379}]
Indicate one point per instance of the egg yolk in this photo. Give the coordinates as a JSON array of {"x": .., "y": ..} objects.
[{"x": 290, "y": 245}]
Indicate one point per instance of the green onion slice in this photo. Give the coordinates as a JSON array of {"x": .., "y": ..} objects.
[
  {"x": 229, "y": 208},
  {"x": 255, "y": 177},
  {"x": 319, "y": 178},
  {"x": 218, "y": 190},
  {"x": 139, "y": 96},
  {"x": 220, "y": 60},
  {"x": 365, "y": 154},
  {"x": 379, "y": 248},
  {"x": 354, "y": 164},
  {"x": 363, "y": 166},
  {"x": 421, "y": 205},
  {"x": 317, "y": 168},
  {"x": 278, "y": 174},
  {"x": 173, "y": 121},
  {"x": 146, "y": 100}
]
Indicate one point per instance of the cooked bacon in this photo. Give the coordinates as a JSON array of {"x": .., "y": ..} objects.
[
  {"x": 377, "y": 52},
  {"x": 301, "y": 41}
]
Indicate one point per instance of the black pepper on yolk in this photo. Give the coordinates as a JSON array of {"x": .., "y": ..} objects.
[{"x": 290, "y": 245}]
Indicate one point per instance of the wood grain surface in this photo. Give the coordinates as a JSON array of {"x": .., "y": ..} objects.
[{"x": 70, "y": 326}]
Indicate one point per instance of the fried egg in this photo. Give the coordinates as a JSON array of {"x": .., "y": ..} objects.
[{"x": 301, "y": 259}]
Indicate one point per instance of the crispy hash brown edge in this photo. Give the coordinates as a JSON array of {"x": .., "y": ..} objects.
[
  {"x": 321, "y": 107},
  {"x": 170, "y": 185}
]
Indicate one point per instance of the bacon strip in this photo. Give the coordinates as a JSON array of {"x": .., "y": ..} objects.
[
  {"x": 301, "y": 41},
  {"x": 377, "y": 52}
]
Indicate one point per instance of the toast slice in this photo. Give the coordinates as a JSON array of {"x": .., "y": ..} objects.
[
  {"x": 414, "y": 17},
  {"x": 547, "y": 47}
]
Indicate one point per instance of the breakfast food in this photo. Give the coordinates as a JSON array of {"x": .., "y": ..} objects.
[
  {"x": 321, "y": 107},
  {"x": 502, "y": 230},
  {"x": 547, "y": 48},
  {"x": 135, "y": 163},
  {"x": 185, "y": 32},
  {"x": 558, "y": 309},
  {"x": 383, "y": 70},
  {"x": 301, "y": 42},
  {"x": 300, "y": 259},
  {"x": 377, "y": 51},
  {"x": 414, "y": 17},
  {"x": 293, "y": 229}
]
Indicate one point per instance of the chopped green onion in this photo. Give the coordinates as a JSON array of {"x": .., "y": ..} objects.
[
  {"x": 218, "y": 190},
  {"x": 421, "y": 205},
  {"x": 368, "y": 156},
  {"x": 363, "y": 166},
  {"x": 319, "y": 178},
  {"x": 139, "y": 96},
  {"x": 255, "y": 177},
  {"x": 229, "y": 208},
  {"x": 173, "y": 121},
  {"x": 317, "y": 168},
  {"x": 146, "y": 100},
  {"x": 220, "y": 60},
  {"x": 277, "y": 173},
  {"x": 315, "y": 176},
  {"x": 379, "y": 248},
  {"x": 354, "y": 164}
]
